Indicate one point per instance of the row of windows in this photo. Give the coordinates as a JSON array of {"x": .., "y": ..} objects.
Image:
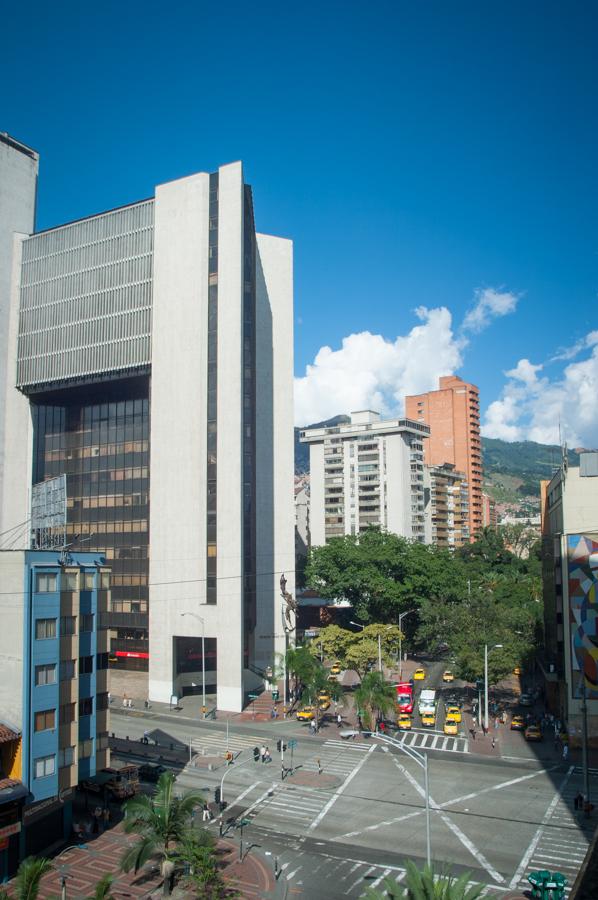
[
  {"x": 45, "y": 766},
  {"x": 45, "y": 629},
  {"x": 47, "y": 582}
]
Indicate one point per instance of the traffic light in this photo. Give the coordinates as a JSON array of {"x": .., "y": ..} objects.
[
  {"x": 256, "y": 754},
  {"x": 217, "y": 796},
  {"x": 222, "y": 805},
  {"x": 279, "y": 746}
]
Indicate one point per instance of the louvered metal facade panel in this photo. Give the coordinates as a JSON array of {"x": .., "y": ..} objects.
[{"x": 86, "y": 298}]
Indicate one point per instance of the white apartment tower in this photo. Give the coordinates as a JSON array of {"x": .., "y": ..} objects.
[
  {"x": 150, "y": 360},
  {"x": 367, "y": 472}
]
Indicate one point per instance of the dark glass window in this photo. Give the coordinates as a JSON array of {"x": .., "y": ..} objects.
[
  {"x": 85, "y": 706},
  {"x": 85, "y": 665}
]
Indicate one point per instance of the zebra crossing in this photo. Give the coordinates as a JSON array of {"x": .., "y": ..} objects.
[
  {"x": 216, "y": 743},
  {"x": 337, "y": 758},
  {"x": 561, "y": 846},
  {"x": 430, "y": 740}
]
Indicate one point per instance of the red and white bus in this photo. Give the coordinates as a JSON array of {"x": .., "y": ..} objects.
[{"x": 404, "y": 700}]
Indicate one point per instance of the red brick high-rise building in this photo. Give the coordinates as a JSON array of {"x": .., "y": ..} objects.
[{"x": 453, "y": 414}]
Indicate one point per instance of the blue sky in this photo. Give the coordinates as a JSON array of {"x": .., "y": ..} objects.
[{"x": 416, "y": 153}]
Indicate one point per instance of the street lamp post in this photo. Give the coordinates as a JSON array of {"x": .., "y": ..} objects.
[
  {"x": 401, "y": 617},
  {"x": 203, "y": 659},
  {"x": 495, "y": 647},
  {"x": 379, "y": 643}
]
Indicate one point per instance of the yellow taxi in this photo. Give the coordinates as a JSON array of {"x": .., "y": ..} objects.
[
  {"x": 335, "y": 669},
  {"x": 533, "y": 733},
  {"x": 419, "y": 674},
  {"x": 404, "y": 722},
  {"x": 451, "y": 728},
  {"x": 517, "y": 670},
  {"x": 448, "y": 676},
  {"x": 453, "y": 714},
  {"x": 305, "y": 714},
  {"x": 323, "y": 705},
  {"x": 517, "y": 723},
  {"x": 323, "y": 695},
  {"x": 333, "y": 678},
  {"x": 428, "y": 720}
]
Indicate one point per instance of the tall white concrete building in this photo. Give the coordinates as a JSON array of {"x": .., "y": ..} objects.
[
  {"x": 150, "y": 359},
  {"x": 18, "y": 186},
  {"x": 367, "y": 472}
]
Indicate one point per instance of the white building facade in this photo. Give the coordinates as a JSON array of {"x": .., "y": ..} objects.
[
  {"x": 367, "y": 472},
  {"x": 153, "y": 351}
]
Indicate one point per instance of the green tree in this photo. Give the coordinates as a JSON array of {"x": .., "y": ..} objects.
[
  {"x": 29, "y": 876},
  {"x": 301, "y": 664},
  {"x": 197, "y": 852},
  {"x": 103, "y": 889},
  {"x": 375, "y": 697},
  {"x": 425, "y": 885},
  {"x": 381, "y": 574},
  {"x": 161, "y": 821}
]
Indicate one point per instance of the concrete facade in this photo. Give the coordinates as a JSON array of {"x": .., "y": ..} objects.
[
  {"x": 183, "y": 316},
  {"x": 18, "y": 188},
  {"x": 368, "y": 472},
  {"x": 453, "y": 414},
  {"x": 569, "y": 510}
]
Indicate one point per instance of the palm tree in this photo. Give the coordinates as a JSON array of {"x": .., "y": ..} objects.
[
  {"x": 161, "y": 822},
  {"x": 424, "y": 885},
  {"x": 375, "y": 696},
  {"x": 29, "y": 876},
  {"x": 103, "y": 889}
]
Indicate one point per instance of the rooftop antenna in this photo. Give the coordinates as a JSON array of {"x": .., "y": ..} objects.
[{"x": 65, "y": 556}]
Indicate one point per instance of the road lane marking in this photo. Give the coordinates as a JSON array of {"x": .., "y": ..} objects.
[
  {"x": 419, "y": 812},
  {"x": 341, "y": 789},
  {"x": 540, "y": 830},
  {"x": 467, "y": 843},
  {"x": 244, "y": 794}
]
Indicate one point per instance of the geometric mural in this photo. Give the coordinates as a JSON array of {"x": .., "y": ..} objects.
[{"x": 582, "y": 570}]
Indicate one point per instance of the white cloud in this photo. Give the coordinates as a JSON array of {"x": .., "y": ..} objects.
[
  {"x": 489, "y": 304},
  {"x": 370, "y": 372},
  {"x": 532, "y": 407},
  {"x": 567, "y": 353}
]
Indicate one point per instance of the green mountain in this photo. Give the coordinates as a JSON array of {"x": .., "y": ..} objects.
[
  {"x": 511, "y": 470},
  {"x": 302, "y": 450},
  {"x": 514, "y": 470}
]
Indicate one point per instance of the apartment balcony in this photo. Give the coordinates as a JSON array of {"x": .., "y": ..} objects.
[
  {"x": 68, "y": 735},
  {"x": 69, "y": 603},
  {"x": 69, "y": 691},
  {"x": 102, "y": 679},
  {"x": 69, "y": 646},
  {"x": 102, "y": 720},
  {"x": 103, "y": 601},
  {"x": 102, "y": 759},
  {"x": 103, "y": 638},
  {"x": 67, "y": 777}
]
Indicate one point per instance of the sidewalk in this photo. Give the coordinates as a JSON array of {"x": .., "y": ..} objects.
[{"x": 84, "y": 866}]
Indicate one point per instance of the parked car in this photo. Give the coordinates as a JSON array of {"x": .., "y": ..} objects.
[
  {"x": 404, "y": 722},
  {"x": 305, "y": 714},
  {"x": 151, "y": 772},
  {"x": 453, "y": 714}
]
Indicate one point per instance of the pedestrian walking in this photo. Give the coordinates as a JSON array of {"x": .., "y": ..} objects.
[
  {"x": 263, "y": 753},
  {"x": 493, "y": 743},
  {"x": 496, "y": 722},
  {"x": 472, "y": 733},
  {"x": 578, "y": 801},
  {"x": 267, "y": 756},
  {"x": 205, "y": 816},
  {"x": 106, "y": 817},
  {"x": 319, "y": 764},
  {"x": 145, "y": 739},
  {"x": 339, "y": 720},
  {"x": 565, "y": 751}
]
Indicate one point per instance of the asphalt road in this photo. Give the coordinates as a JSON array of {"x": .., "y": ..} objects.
[{"x": 496, "y": 819}]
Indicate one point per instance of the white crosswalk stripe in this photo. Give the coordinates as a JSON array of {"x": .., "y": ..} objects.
[
  {"x": 434, "y": 741},
  {"x": 562, "y": 846},
  {"x": 214, "y": 742}
]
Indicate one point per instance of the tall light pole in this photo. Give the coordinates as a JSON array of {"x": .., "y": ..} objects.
[
  {"x": 495, "y": 647},
  {"x": 401, "y": 617},
  {"x": 203, "y": 658},
  {"x": 379, "y": 643}
]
